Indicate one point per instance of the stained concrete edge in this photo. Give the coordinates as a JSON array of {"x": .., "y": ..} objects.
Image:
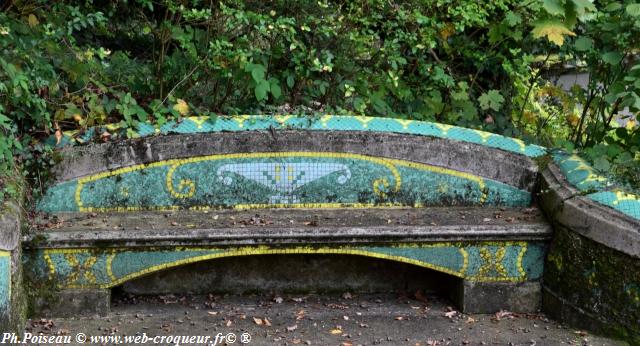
[
  {"x": 13, "y": 306},
  {"x": 510, "y": 168},
  {"x": 281, "y": 236}
]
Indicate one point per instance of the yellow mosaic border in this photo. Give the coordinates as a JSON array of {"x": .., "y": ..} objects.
[
  {"x": 265, "y": 250},
  {"x": 174, "y": 163}
]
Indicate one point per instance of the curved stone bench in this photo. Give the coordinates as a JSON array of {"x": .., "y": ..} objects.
[
  {"x": 469, "y": 194},
  {"x": 329, "y": 185}
]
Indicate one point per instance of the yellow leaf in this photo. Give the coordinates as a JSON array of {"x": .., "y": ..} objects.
[
  {"x": 33, "y": 20},
  {"x": 181, "y": 107},
  {"x": 335, "y": 331},
  {"x": 553, "y": 30}
]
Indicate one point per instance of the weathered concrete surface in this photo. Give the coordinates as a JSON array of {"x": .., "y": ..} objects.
[
  {"x": 602, "y": 224},
  {"x": 387, "y": 319},
  {"x": 564, "y": 205},
  {"x": 488, "y": 297},
  {"x": 12, "y": 295},
  {"x": 502, "y": 166},
  {"x": 592, "y": 274},
  {"x": 288, "y": 226},
  {"x": 10, "y": 226},
  {"x": 593, "y": 285},
  {"x": 75, "y": 302}
]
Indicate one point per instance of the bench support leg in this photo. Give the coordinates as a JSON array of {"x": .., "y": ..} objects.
[
  {"x": 490, "y": 297},
  {"x": 76, "y": 302}
]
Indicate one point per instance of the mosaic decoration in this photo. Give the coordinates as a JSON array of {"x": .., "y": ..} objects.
[
  {"x": 104, "y": 267},
  {"x": 5, "y": 280},
  {"x": 577, "y": 171},
  {"x": 596, "y": 187},
  {"x": 326, "y": 122},
  {"x": 282, "y": 179}
]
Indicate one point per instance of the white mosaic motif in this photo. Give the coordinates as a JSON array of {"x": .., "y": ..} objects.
[{"x": 283, "y": 178}]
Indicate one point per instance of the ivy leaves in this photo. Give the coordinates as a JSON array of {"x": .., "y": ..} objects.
[
  {"x": 263, "y": 86},
  {"x": 491, "y": 100}
]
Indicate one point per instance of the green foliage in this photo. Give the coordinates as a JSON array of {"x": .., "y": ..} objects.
[
  {"x": 72, "y": 65},
  {"x": 604, "y": 126}
]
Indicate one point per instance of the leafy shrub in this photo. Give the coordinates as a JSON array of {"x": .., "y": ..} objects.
[{"x": 72, "y": 65}]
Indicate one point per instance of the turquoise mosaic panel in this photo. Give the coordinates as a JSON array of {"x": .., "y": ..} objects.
[
  {"x": 581, "y": 175},
  {"x": 325, "y": 122},
  {"x": 625, "y": 203},
  {"x": 5, "y": 280},
  {"x": 103, "y": 268},
  {"x": 296, "y": 179}
]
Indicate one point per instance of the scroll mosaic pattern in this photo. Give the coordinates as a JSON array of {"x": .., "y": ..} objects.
[
  {"x": 596, "y": 187},
  {"x": 104, "y": 268},
  {"x": 326, "y": 122},
  {"x": 281, "y": 179}
]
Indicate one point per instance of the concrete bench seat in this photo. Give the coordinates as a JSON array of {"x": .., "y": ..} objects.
[{"x": 289, "y": 226}]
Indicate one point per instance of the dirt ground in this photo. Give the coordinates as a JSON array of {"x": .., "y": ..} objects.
[{"x": 344, "y": 320}]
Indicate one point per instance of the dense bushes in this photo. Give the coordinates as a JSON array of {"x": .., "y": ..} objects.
[{"x": 71, "y": 64}]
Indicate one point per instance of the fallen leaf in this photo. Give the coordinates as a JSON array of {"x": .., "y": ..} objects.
[
  {"x": 450, "y": 314},
  {"x": 292, "y": 328},
  {"x": 258, "y": 321},
  {"x": 421, "y": 297},
  {"x": 335, "y": 331},
  {"x": 58, "y": 136},
  {"x": 503, "y": 314},
  {"x": 105, "y": 136}
]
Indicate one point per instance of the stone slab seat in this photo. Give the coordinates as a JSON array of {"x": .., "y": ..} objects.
[{"x": 497, "y": 253}]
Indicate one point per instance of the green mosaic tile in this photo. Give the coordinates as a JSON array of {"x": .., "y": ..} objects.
[
  {"x": 102, "y": 268},
  {"x": 288, "y": 179},
  {"x": 5, "y": 280},
  {"x": 326, "y": 122},
  {"x": 581, "y": 175},
  {"x": 625, "y": 203}
]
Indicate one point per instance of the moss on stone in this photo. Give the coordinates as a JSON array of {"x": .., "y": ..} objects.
[{"x": 602, "y": 281}]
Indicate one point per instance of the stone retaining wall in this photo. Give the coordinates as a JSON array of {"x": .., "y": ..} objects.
[{"x": 592, "y": 274}]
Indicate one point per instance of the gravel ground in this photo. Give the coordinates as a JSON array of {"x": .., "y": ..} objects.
[{"x": 347, "y": 319}]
